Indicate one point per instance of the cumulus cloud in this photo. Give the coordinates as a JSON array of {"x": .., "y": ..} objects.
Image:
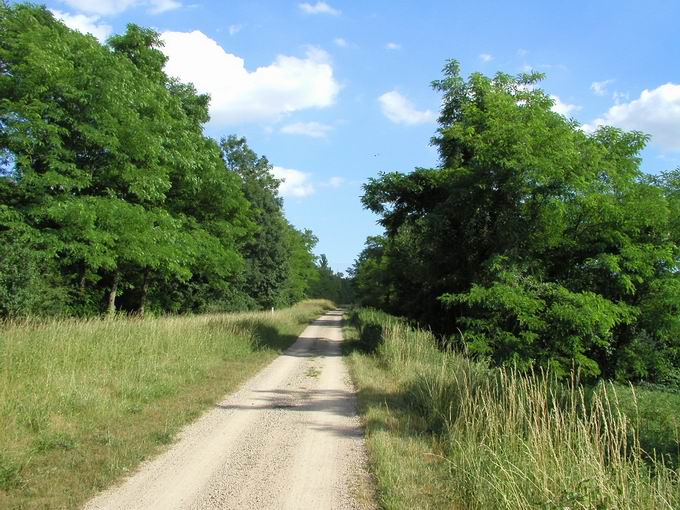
[
  {"x": 599, "y": 88},
  {"x": 238, "y": 95},
  {"x": 393, "y": 46},
  {"x": 656, "y": 112},
  {"x": 235, "y": 29},
  {"x": 336, "y": 182},
  {"x": 85, "y": 24},
  {"x": 486, "y": 57},
  {"x": 109, "y": 7},
  {"x": 340, "y": 42},
  {"x": 294, "y": 182},
  {"x": 400, "y": 110},
  {"x": 313, "y": 129},
  {"x": 562, "y": 108},
  {"x": 318, "y": 8}
]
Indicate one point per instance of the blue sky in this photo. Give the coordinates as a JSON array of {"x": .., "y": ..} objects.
[{"x": 334, "y": 92}]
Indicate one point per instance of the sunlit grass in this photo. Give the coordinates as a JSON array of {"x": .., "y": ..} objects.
[
  {"x": 445, "y": 431},
  {"x": 84, "y": 401}
]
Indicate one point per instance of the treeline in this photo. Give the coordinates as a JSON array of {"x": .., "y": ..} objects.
[
  {"x": 533, "y": 242},
  {"x": 111, "y": 196}
]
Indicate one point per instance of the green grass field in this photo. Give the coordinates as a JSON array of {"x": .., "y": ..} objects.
[
  {"x": 82, "y": 402},
  {"x": 444, "y": 431}
]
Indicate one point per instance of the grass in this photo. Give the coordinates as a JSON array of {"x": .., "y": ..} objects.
[
  {"x": 82, "y": 402},
  {"x": 444, "y": 431},
  {"x": 656, "y": 411}
]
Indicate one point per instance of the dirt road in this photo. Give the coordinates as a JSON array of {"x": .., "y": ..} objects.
[{"x": 289, "y": 438}]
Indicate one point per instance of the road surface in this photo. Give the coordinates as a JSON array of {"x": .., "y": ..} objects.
[{"x": 289, "y": 438}]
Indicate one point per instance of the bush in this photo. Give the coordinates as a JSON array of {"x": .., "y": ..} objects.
[{"x": 29, "y": 284}]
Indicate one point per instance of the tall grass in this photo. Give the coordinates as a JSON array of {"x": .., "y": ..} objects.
[
  {"x": 83, "y": 401},
  {"x": 500, "y": 438}
]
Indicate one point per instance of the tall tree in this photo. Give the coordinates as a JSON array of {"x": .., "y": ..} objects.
[
  {"x": 267, "y": 258},
  {"x": 104, "y": 157},
  {"x": 540, "y": 242}
]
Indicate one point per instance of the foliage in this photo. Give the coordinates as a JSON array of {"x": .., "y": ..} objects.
[
  {"x": 331, "y": 285},
  {"x": 113, "y": 198},
  {"x": 267, "y": 257},
  {"x": 29, "y": 283},
  {"x": 539, "y": 242}
]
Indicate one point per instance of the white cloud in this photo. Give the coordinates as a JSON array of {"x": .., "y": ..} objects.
[
  {"x": 600, "y": 87},
  {"x": 522, "y": 52},
  {"x": 565, "y": 109},
  {"x": 235, "y": 29},
  {"x": 656, "y": 112},
  {"x": 619, "y": 97},
  {"x": 589, "y": 128},
  {"x": 340, "y": 42},
  {"x": 393, "y": 46},
  {"x": 295, "y": 183},
  {"x": 159, "y": 6},
  {"x": 486, "y": 57},
  {"x": 238, "y": 95},
  {"x": 109, "y": 7},
  {"x": 84, "y": 24},
  {"x": 400, "y": 110},
  {"x": 313, "y": 129},
  {"x": 318, "y": 8}
]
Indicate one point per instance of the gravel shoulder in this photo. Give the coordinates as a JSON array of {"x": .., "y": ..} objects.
[{"x": 289, "y": 438}]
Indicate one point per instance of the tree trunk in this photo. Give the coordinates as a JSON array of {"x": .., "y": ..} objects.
[
  {"x": 113, "y": 292},
  {"x": 145, "y": 292}
]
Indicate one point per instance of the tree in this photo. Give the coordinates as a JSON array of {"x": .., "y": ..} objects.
[
  {"x": 541, "y": 243},
  {"x": 331, "y": 285},
  {"x": 105, "y": 163},
  {"x": 267, "y": 258},
  {"x": 303, "y": 273}
]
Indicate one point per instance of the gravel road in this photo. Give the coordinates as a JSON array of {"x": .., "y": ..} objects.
[{"x": 289, "y": 438}]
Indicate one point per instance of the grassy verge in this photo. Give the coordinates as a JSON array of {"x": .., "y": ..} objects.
[
  {"x": 444, "y": 431},
  {"x": 83, "y": 402}
]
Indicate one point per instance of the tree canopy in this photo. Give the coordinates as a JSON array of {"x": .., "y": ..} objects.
[
  {"x": 112, "y": 197},
  {"x": 533, "y": 241}
]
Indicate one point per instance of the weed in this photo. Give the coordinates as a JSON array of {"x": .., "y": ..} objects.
[
  {"x": 10, "y": 471},
  {"x": 313, "y": 372},
  {"x": 58, "y": 440}
]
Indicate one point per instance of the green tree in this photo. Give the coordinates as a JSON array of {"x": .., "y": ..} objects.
[
  {"x": 540, "y": 242},
  {"x": 331, "y": 285},
  {"x": 105, "y": 159},
  {"x": 266, "y": 254},
  {"x": 303, "y": 273}
]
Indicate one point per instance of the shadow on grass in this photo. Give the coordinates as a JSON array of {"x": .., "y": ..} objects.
[
  {"x": 263, "y": 336},
  {"x": 391, "y": 410}
]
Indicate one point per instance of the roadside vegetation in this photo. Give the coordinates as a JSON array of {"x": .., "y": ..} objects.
[
  {"x": 83, "y": 401},
  {"x": 536, "y": 242},
  {"x": 112, "y": 198},
  {"x": 446, "y": 431}
]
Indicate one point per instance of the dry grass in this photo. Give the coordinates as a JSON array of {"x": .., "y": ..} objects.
[
  {"x": 82, "y": 402},
  {"x": 448, "y": 432}
]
